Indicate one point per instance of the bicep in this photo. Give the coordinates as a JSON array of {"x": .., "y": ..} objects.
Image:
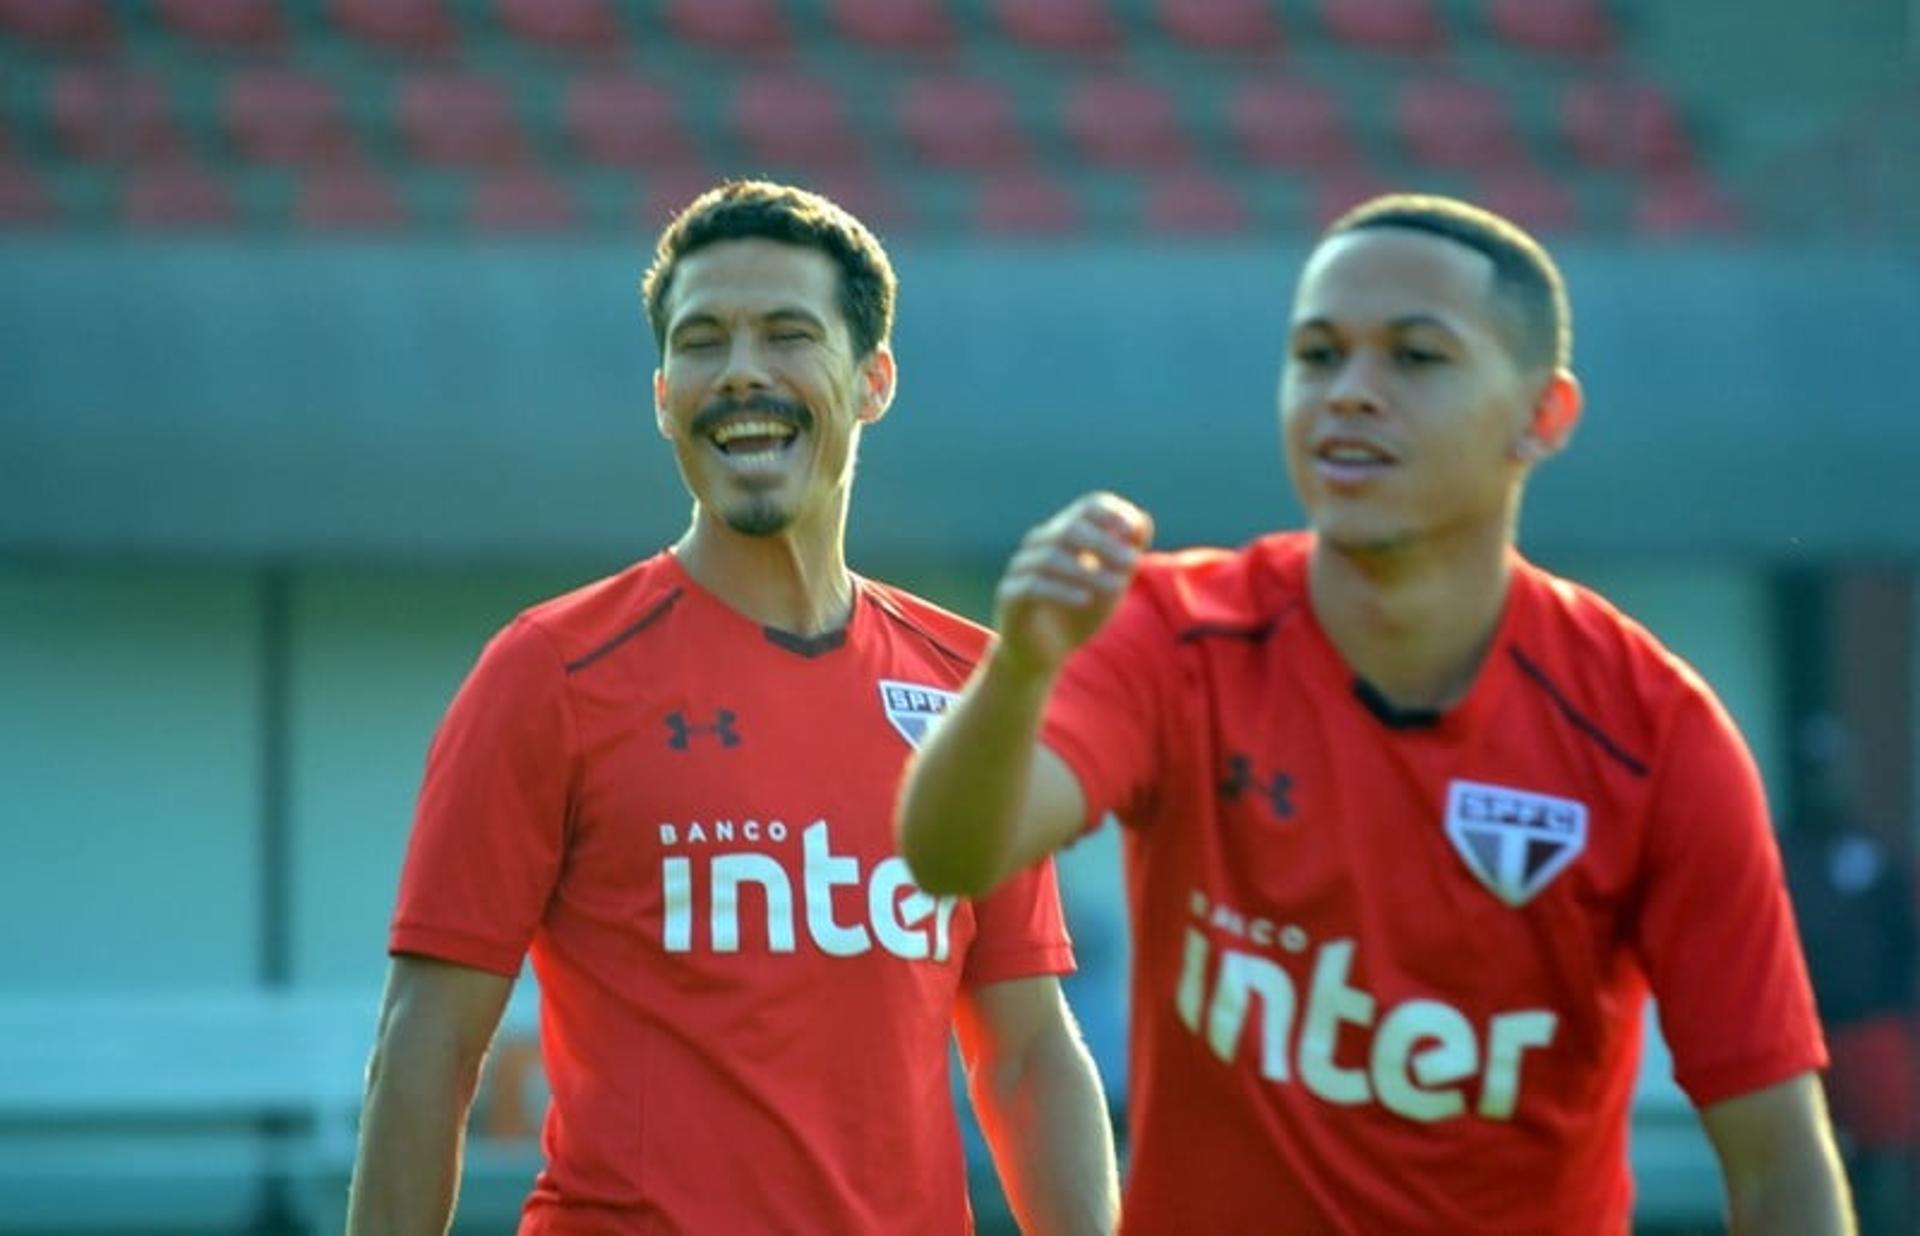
[{"x": 440, "y": 1006}]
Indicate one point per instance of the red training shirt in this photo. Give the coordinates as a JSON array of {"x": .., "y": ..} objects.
[
  {"x": 1389, "y": 968},
  {"x": 687, "y": 817}
]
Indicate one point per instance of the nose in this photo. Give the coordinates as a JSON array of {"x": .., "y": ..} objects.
[
  {"x": 1355, "y": 389},
  {"x": 745, "y": 369}
]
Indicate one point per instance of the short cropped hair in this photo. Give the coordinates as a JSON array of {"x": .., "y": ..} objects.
[
  {"x": 764, "y": 210},
  {"x": 1527, "y": 285}
]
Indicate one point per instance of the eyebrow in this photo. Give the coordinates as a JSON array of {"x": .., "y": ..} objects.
[
  {"x": 1405, "y": 322},
  {"x": 785, "y": 313}
]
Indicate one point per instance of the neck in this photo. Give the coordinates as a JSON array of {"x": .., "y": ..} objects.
[
  {"x": 795, "y": 581},
  {"x": 1414, "y": 620}
]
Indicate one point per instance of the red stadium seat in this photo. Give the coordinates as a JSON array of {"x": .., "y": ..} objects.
[
  {"x": 1058, "y": 25},
  {"x": 1561, "y": 27},
  {"x": 1196, "y": 203},
  {"x": 1686, "y": 204},
  {"x": 177, "y": 196},
  {"x": 108, "y": 114},
  {"x": 1221, "y": 25},
  {"x": 275, "y": 116},
  {"x": 1449, "y": 123},
  {"x": 730, "y": 25},
  {"x": 348, "y": 200},
  {"x": 1537, "y": 202},
  {"x": 1119, "y": 122},
  {"x": 451, "y": 119},
  {"x": 572, "y": 25},
  {"x": 667, "y": 191},
  {"x": 1384, "y": 25},
  {"x": 1336, "y": 194},
  {"x": 1289, "y": 122},
  {"x": 73, "y": 24},
  {"x": 400, "y": 25},
  {"x": 24, "y": 200},
  {"x": 1026, "y": 203},
  {"x": 961, "y": 122},
  {"x": 616, "y": 120},
  {"x": 1617, "y": 124},
  {"x": 793, "y": 121},
  {"x": 522, "y": 201},
  {"x": 895, "y": 25},
  {"x": 873, "y": 201},
  {"x": 225, "y": 23}
]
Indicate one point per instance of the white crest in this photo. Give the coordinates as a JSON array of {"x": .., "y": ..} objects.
[
  {"x": 1515, "y": 841},
  {"x": 914, "y": 708}
]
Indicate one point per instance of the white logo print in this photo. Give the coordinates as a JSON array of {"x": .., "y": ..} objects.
[
  {"x": 914, "y": 709},
  {"x": 1515, "y": 841}
]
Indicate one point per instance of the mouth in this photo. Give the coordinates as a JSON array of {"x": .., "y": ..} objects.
[
  {"x": 1346, "y": 463},
  {"x": 752, "y": 438}
]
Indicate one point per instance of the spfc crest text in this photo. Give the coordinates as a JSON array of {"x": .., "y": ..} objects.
[
  {"x": 1515, "y": 841},
  {"x": 913, "y": 708}
]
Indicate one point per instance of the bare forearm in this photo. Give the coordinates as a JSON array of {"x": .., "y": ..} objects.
[
  {"x": 407, "y": 1172},
  {"x": 1046, "y": 1123},
  {"x": 963, "y": 791},
  {"x": 1806, "y": 1197}
]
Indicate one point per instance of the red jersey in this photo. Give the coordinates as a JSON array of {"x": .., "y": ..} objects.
[
  {"x": 1389, "y": 967},
  {"x": 687, "y": 817}
]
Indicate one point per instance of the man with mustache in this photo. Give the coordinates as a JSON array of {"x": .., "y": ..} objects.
[
  {"x": 1412, "y": 828},
  {"x": 673, "y": 788}
]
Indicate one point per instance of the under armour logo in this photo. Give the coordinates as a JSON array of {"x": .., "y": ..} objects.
[
  {"x": 1240, "y": 780},
  {"x": 685, "y": 731}
]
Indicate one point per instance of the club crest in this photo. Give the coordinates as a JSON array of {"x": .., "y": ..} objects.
[
  {"x": 1514, "y": 841},
  {"x": 914, "y": 709}
]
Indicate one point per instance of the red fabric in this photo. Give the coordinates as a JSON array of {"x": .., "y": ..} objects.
[
  {"x": 1871, "y": 1083},
  {"x": 746, "y": 1006},
  {"x": 1337, "y": 1025}
]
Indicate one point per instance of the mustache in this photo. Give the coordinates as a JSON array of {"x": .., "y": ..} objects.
[{"x": 796, "y": 416}]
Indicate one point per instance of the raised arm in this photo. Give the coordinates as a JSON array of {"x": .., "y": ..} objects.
[
  {"x": 436, "y": 1021},
  {"x": 1040, "y": 1104},
  {"x": 983, "y": 798},
  {"x": 1783, "y": 1176}
]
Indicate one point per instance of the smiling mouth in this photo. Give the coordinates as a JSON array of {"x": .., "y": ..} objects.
[{"x": 754, "y": 438}]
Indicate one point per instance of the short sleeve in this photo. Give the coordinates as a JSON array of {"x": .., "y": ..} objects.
[
  {"x": 1714, "y": 927},
  {"x": 1020, "y": 930},
  {"x": 1107, "y": 709},
  {"x": 490, "y": 828}
]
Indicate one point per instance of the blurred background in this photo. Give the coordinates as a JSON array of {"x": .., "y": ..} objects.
[{"x": 321, "y": 355}]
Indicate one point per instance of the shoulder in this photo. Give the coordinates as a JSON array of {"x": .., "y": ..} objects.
[
  {"x": 585, "y": 622},
  {"x": 1209, "y": 590},
  {"x": 946, "y": 633}
]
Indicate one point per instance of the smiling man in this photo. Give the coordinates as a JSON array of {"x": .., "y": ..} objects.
[
  {"x": 1411, "y": 826},
  {"x": 673, "y": 788}
]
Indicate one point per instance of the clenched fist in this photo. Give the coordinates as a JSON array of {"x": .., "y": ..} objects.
[{"x": 1065, "y": 580}]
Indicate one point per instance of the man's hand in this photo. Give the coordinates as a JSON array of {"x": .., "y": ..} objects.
[{"x": 1065, "y": 580}]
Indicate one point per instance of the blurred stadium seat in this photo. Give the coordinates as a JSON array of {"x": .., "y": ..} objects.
[
  {"x": 1620, "y": 124},
  {"x": 1686, "y": 204},
  {"x": 618, "y": 120},
  {"x": 787, "y": 120},
  {"x": 895, "y": 25},
  {"x": 665, "y": 191},
  {"x": 570, "y": 25},
  {"x": 1290, "y": 122},
  {"x": 1384, "y": 25},
  {"x": 1123, "y": 123},
  {"x": 1026, "y": 203},
  {"x": 1242, "y": 26},
  {"x": 1536, "y": 201},
  {"x": 176, "y": 196},
  {"x": 1058, "y": 25},
  {"x": 419, "y": 26},
  {"x": 1454, "y": 123},
  {"x": 526, "y": 200},
  {"x": 960, "y": 122},
  {"x": 113, "y": 115},
  {"x": 24, "y": 200},
  {"x": 357, "y": 199},
  {"x": 730, "y": 25},
  {"x": 450, "y": 118},
  {"x": 1335, "y": 194},
  {"x": 1195, "y": 203},
  {"x": 71, "y": 24},
  {"x": 283, "y": 117},
  {"x": 250, "y": 24},
  {"x": 1561, "y": 27}
]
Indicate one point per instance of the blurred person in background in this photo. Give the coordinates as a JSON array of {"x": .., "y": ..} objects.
[
  {"x": 673, "y": 788},
  {"x": 1412, "y": 827},
  {"x": 1854, "y": 898}
]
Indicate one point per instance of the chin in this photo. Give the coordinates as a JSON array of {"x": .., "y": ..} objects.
[{"x": 759, "y": 519}]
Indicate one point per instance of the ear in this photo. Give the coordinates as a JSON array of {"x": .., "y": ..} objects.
[
  {"x": 660, "y": 403},
  {"x": 878, "y": 377},
  {"x": 1555, "y": 414}
]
